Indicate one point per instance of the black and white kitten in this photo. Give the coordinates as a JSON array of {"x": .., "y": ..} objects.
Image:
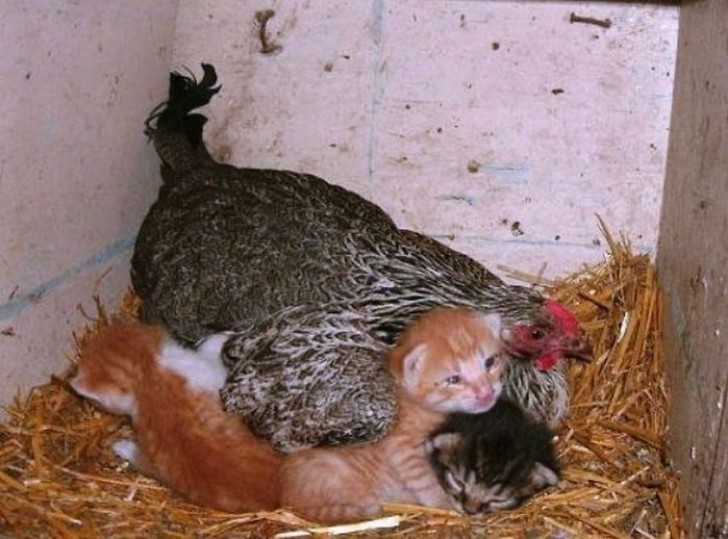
[{"x": 494, "y": 460}]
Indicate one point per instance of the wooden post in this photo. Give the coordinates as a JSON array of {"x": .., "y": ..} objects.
[{"x": 693, "y": 266}]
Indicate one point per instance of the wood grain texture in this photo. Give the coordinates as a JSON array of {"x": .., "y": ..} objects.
[{"x": 693, "y": 262}]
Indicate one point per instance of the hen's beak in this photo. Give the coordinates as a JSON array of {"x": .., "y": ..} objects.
[{"x": 578, "y": 348}]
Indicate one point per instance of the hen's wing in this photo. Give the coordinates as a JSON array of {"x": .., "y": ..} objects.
[{"x": 309, "y": 377}]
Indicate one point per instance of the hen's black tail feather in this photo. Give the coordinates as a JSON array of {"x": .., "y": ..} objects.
[
  {"x": 185, "y": 95},
  {"x": 177, "y": 134}
]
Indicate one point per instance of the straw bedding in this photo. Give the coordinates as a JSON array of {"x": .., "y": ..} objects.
[{"x": 58, "y": 477}]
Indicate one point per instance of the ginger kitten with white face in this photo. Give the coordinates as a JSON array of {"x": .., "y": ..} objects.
[{"x": 449, "y": 360}]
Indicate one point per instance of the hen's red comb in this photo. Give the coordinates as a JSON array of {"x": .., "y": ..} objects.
[{"x": 568, "y": 322}]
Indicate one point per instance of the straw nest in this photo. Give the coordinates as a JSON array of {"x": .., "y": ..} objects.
[{"x": 58, "y": 477}]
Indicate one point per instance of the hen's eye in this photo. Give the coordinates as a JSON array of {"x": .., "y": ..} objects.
[
  {"x": 537, "y": 334},
  {"x": 453, "y": 380}
]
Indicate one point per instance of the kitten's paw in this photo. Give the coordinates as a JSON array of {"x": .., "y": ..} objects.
[{"x": 127, "y": 450}]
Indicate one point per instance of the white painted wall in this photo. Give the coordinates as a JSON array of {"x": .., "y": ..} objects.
[
  {"x": 390, "y": 98},
  {"x": 394, "y": 98},
  {"x": 76, "y": 175}
]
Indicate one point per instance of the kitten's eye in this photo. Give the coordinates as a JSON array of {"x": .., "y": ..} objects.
[
  {"x": 453, "y": 380},
  {"x": 491, "y": 362},
  {"x": 537, "y": 334},
  {"x": 453, "y": 482}
]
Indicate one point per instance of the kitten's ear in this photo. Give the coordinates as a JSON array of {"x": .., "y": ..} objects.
[
  {"x": 493, "y": 322},
  {"x": 542, "y": 476},
  {"x": 446, "y": 441},
  {"x": 412, "y": 365}
]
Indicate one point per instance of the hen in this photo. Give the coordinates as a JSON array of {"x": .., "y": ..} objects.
[{"x": 316, "y": 282}]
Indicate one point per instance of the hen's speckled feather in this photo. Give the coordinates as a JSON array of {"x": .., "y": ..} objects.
[
  {"x": 319, "y": 373},
  {"x": 229, "y": 248}
]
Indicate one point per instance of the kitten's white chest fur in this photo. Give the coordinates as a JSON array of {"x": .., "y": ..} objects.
[{"x": 202, "y": 367}]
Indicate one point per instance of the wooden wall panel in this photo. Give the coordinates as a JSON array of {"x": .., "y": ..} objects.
[{"x": 693, "y": 263}]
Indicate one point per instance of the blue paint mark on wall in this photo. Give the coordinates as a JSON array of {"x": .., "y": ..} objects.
[
  {"x": 522, "y": 241},
  {"x": 20, "y": 302},
  {"x": 517, "y": 172},
  {"x": 470, "y": 201},
  {"x": 377, "y": 27}
]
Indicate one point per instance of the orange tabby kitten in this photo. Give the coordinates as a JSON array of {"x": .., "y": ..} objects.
[
  {"x": 183, "y": 436},
  {"x": 449, "y": 360}
]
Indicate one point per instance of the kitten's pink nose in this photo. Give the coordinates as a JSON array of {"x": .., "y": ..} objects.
[{"x": 484, "y": 393}]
